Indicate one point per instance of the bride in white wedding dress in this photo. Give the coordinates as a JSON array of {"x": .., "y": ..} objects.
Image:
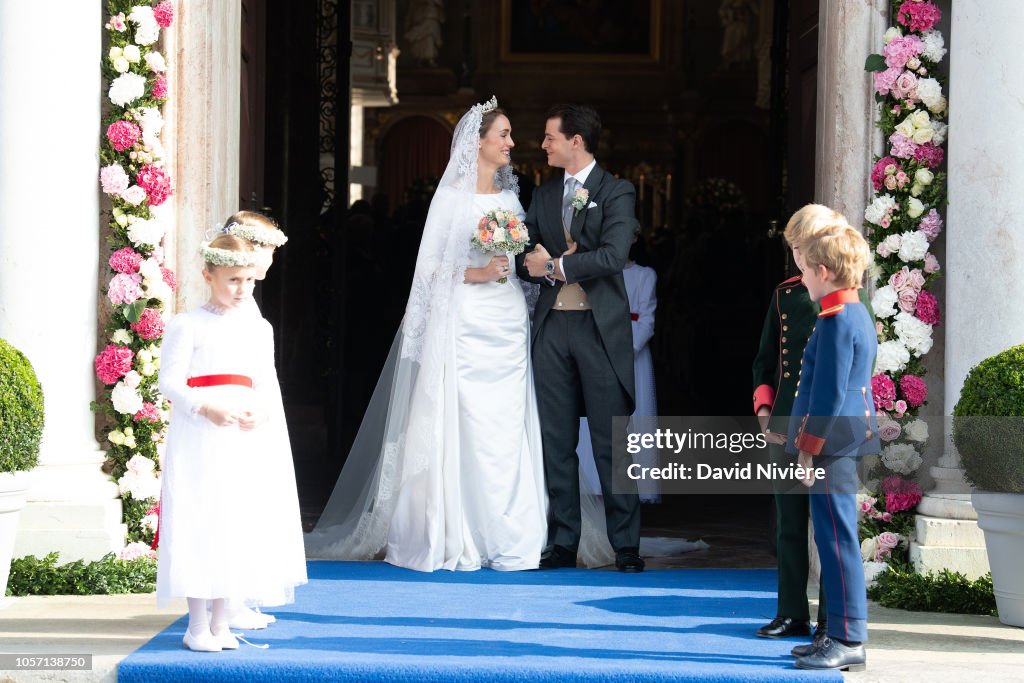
[{"x": 447, "y": 470}]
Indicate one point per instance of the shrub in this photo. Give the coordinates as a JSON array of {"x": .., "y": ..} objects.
[{"x": 21, "y": 411}]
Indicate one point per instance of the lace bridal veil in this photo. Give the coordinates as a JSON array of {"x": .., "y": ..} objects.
[{"x": 403, "y": 428}]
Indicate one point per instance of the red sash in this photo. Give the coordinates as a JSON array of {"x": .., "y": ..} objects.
[{"x": 218, "y": 380}]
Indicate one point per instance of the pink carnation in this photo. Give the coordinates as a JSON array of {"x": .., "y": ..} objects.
[
  {"x": 169, "y": 278},
  {"x": 160, "y": 87},
  {"x": 878, "y": 172},
  {"x": 902, "y": 147},
  {"x": 900, "y": 50},
  {"x": 900, "y": 494},
  {"x": 123, "y": 134},
  {"x": 885, "y": 80},
  {"x": 928, "y": 309},
  {"x": 914, "y": 389},
  {"x": 124, "y": 288},
  {"x": 163, "y": 12},
  {"x": 150, "y": 325},
  {"x": 135, "y": 551},
  {"x": 884, "y": 391},
  {"x": 125, "y": 260},
  {"x": 929, "y": 155},
  {"x": 931, "y": 264},
  {"x": 918, "y": 16},
  {"x": 931, "y": 225},
  {"x": 148, "y": 413},
  {"x": 113, "y": 363},
  {"x": 113, "y": 179},
  {"x": 155, "y": 181}
]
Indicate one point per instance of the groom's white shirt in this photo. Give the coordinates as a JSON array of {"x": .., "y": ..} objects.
[{"x": 581, "y": 176}]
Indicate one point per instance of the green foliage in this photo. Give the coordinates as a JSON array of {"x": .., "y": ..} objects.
[
  {"x": 946, "y": 591},
  {"x": 988, "y": 423},
  {"x": 21, "y": 411},
  {"x": 43, "y": 576},
  {"x": 875, "y": 63}
]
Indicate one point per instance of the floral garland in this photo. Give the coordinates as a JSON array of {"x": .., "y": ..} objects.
[
  {"x": 902, "y": 222},
  {"x": 140, "y": 287}
]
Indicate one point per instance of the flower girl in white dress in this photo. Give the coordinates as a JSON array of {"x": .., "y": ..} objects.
[{"x": 223, "y": 535}]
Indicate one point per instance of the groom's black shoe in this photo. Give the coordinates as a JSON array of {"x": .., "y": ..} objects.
[
  {"x": 835, "y": 655},
  {"x": 628, "y": 560},
  {"x": 784, "y": 627},
  {"x": 556, "y": 557}
]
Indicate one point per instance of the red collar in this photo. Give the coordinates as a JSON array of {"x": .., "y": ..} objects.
[{"x": 840, "y": 296}]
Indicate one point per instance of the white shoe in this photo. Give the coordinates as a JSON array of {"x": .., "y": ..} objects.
[
  {"x": 226, "y": 639},
  {"x": 249, "y": 621},
  {"x": 204, "y": 642},
  {"x": 270, "y": 618}
]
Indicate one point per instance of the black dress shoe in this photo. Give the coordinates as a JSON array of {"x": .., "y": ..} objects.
[
  {"x": 834, "y": 655},
  {"x": 784, "y": 627},
  {"x": 556, "y": 557},
  {"x": 628, "y": 560},
  {"x": 820, "y": 631}
]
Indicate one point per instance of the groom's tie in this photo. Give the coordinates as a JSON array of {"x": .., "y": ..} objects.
[{"x": 571, "y": 185}]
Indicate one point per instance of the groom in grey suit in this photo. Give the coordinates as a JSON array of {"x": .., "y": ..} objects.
[{"x": 581, "y": 225}]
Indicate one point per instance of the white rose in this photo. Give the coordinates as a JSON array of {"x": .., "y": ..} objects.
[
  {"x": 155, "y": 350},
  {"x": 114, "y": 53},
  {"x": 145, "y": 356},
  {"x": 920, "y": 119},
  {"x": 121, "y": 336},
  {"x": 913, "y": 245},
  {"x": 500, "y": 235},
  {"x": 930, "y": 91},
  {"x": 127, "y": 88},
  {"x": 913, "y": 333},
  {"x": 892, "y": 356},
  {"x": 133, "y": 54},
  {"x": 147, "y": 370},
  {"x": 145, "y": 232},
  {"x": 924, "y": 176},
  {"x": 917, "y": 431},
  {"x": 892, "y": 243},
  {"x": 923, "y": 135},
  {"x": 914, "y": 207},
  {"x": 892, "y": 34},
  {"x": 125, "y": 399},
  {"x": 916, "y": 190},
  {"x": 913, "y": 63},
  {"x": 158, "y": 289},
  {"x": 133, "y": 379},
  {"x": 150, "y": 269},
  {"x": 151, "y": 122},
  {"x": 116, "y": 437},
  {"x": 867, "y": 548},
  {"x": 905, "y": 128},
  {"x": 121, "y": 65},
  {"x": 884, "y": 302},
  {"x": 121, "y": 220},
  {"x": 129, "y": 442},
  {"x": 134, "y": 195},
  {"x": 156, "y": 62},
  {"x": 874, "y": 271},
  {"x": 901, "y": 458},
  {"x": 881, "y": 206}
]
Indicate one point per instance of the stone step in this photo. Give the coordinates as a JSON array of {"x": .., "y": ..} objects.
[
  {"x": 51, "y": 515},
  {"x": 972, "y": 562},
  {"x": 948, "y": 533}
]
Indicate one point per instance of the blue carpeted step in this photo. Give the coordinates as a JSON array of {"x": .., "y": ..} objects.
[{"x": 369, "y": 621}]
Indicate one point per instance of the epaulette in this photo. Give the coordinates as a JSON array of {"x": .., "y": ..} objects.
[
  {"x": 795, "y": 280},
  {"x": 831, "y": 311}
]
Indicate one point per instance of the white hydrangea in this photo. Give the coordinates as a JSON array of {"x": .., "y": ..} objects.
[
  {"x": 151, "y": 122},
  {"x": 882, "y": 206},
  {"x": 872, "y": 570},
  {"x": 934, "y": 46},
  {"x": 913, "y": 246},
  {"x": 121, "y": 336},
  {"x": 126, "y": 400},
  {"x": 913, "y": 333},
  {"x": 146, "y": 232},
  {"x": 917, "y": 431},
  {"x": 939, "y": 130},
  {"x": 127, "y": 88},
  {"x": 930, "y": 92},
  {"x": 147, "y": 31},
  {"x": 140, "y": 480},
  {"x": 149, "y": 269},
  {"x": 156, "y": 62},
  {"x": 901, "y": 458},
  {"x": 884, "y": 302},
  {"x": 133, "y": 379},
  {"x": 892, "y": 356}
]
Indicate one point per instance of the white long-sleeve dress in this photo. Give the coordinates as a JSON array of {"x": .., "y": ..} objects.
[{"x": 230, "y": 525}]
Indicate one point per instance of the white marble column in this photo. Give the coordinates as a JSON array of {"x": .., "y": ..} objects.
[
  {"x": 49, "y": 242},
  {"x": 846, "y": 135}
]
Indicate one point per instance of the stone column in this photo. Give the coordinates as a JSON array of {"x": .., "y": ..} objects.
[
  {"x": 846, "y": 135},
  {"x": 49, "y": 240},
  {"x": 985, "y": 252}
]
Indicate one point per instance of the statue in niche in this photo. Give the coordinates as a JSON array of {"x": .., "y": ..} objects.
[
  {"x": 738, "y": 20},
  {"x": 423, "y": 30}
]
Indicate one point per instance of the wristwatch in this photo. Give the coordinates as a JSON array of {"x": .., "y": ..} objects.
[{"x": 549, "y": 267}]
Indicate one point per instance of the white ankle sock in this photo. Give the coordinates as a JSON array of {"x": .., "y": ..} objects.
[
  {"x": 198, "y": 622},
  {"x": 218, "y": 616}
]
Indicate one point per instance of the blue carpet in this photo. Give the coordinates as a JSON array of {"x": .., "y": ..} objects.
[{"x": 369, "y": 621}]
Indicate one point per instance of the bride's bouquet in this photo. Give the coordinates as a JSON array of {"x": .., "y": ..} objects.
[{"x": 501, "y": 232}]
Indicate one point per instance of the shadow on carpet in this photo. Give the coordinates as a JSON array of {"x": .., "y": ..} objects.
[{"x": 369, "y": 621}]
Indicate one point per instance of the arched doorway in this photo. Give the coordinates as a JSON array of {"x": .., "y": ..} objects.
[{"x": 415, "y": 148}]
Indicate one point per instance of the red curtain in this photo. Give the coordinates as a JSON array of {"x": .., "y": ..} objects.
[{"x": 414, "y": 148}]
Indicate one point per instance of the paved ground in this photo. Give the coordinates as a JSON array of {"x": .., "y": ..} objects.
[{"x": 905, "y": 646}]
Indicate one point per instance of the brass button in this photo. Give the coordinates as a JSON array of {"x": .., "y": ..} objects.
[
  {"x": 785, "y": 351},
  {"x": 788, "y": 291},
  {"x": 785, "y": 328},
  {"x": 783, "y": 340},
  {"x": 785, "y": 374},
  {"x": 785, "y": 315},
  {"x": 785, "y": 363}
]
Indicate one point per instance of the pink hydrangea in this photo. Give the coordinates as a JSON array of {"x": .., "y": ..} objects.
[
  {"x": 902, "y": 147},
  {"x": 901, "y": 50},
  {"x": 135, "y": 551},
  {"x": 928, "y": 308},
  {"x": 163, "y": 12},
  {"x": 123, "y": 134},
  {"x": 149, "y": 413},
  {"x": 929, "y": 155},
  {"x": 914, "y": 390},
  {"x": 113, "y": 179},
  {"x": 169, "y": 279},
  {"x": 931, "y": 225},
  {"x": 878, "y": 172},
  {"x": 124, "y": 288},
  {"x": 885, "y": 80},
  {"x": 931, "y": 264},
  {"x": 900, "y": 494},
  {"x": 884, "y": 391},
  {"x": 125, "y": 260},
  {"x": 113, "y": 363},
  {"x": 150, "y": 325},
  {"x": 155, "y": 181},
  {"x": 160, "y": 87},
  {"x": 918, "y": 16}
]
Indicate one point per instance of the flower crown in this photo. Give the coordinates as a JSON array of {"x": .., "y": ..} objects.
[
  {"x": 487, "y": 106},
  {"x": 254, "y": 233},
  {"x": 226, "y": 257}
]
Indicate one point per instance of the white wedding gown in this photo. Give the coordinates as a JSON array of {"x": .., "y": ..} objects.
[{"x": 482, "y": 502}]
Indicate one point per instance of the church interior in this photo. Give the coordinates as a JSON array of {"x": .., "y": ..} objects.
[{"x": 708, "y": 108}]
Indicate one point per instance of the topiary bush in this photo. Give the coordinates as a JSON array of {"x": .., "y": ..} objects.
[
  {"x": 988, "y": 423},
  {"x": 21, "y": 411}
]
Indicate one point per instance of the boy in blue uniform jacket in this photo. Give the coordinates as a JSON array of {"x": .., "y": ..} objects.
[{"x": 833, "y": 425}]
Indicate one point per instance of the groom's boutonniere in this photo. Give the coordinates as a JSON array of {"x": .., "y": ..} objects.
[{"x": 579, "y": 200}]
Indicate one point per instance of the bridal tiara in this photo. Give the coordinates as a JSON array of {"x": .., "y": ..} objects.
[{"x": 487, "y": 106}]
